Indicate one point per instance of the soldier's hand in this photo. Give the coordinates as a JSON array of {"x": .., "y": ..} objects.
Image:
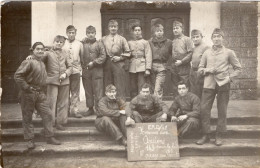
[
  {"x": 178, "y": 62},
  {"x": 29, "y": 57},
  {"x": 129, "y": 122},
  {"x": 182, "y": 117},
  {"x": 147, "y": 73},
  {"x": 173, "y": 119},
  {"x": 163, "y": 117},
  {"x": 122, "y": 112},
  {"x": 210, "y": 70},
  {"x": 116, "y": 58},
  {"x": 63, "y": 76},
  {"x": 90, "y": 65}
]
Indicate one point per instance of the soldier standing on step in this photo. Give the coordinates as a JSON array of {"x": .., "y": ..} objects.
[
  {"x": 141, "y": 61},
  {"x": 31, "y": 78},
  {"x": 196, "y": 80},
  {"x": 185, "y": 110},
  {"x": 94, "y": 55},
  {"x": 214, "y": 66},
  {"x": 111, "y": 115},
  {"x": 75, "y": 49},
  {"x": 182, "y": 48},
  {"x": 118, "y": 52}
]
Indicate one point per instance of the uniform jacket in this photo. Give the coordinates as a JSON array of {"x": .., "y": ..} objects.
[
  {"x": 197, "y": 54},
  {"x": 161, "y": 49},
  {"x": 117, "y": 46},
  {"x": 57, "y": 62},
  {"x": 93, "y": 51},
  {"x": 219, "y": 59},
  {"x": 148, "y": 106},
  {"x": 31, "y": 72},
  {"x": 110, "y": 108},
  {"x": 141, "y": 55},
  {"x": 75, "y": 50},
  {"x": 187, "y": 105}
]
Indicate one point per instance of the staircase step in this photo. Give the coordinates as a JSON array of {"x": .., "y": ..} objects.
[
  {"x": 231, "y": 147},
  {"x": 90, "y": 120},
  {"x": 92, "y": 134}
]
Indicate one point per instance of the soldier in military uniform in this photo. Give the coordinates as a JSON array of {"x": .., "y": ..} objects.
[{"x": 146, "y": 107}]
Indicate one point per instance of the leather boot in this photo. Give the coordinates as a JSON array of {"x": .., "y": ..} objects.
[
  {"x": 30, "y": 144},
  {"x": 218, "y": 139},
  {"x": 60, "y": 127},
  {"x": 53, "y": 141},
  {"x": 89, "y": 112},
  {"x": 123, "y": 141},
  {"x": 203, "y": 140}
]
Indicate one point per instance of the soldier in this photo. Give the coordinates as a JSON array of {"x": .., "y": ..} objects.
[
  {"x": 117, "y": 51},
  {"x": 214, "y": 65},
  {"x": 93, "y": 57},
  {"x": 59, "y": 68},
  {"x": 196, "y": 80},
  {"x": 141, "y": 61},
  {"x": 181, "y": 56},
  {"x": 161, "y": 52},
  {"x": 31, "y": 78},
  {"x": 185, "y": 110},
  {"x": 111, "y": 115},
  {"x": 146, "y": 107},
  {"x": 75, "y": 49}
]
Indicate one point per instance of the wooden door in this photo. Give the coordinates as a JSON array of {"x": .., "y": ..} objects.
[
  {"x": 127, "y": 13},
  {"x": 16, "y": 41}
]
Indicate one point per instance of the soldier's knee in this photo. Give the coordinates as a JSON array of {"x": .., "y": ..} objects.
[{"x": 193, "y": 121}]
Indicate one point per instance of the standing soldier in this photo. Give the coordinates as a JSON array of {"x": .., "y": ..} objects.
[
  {"x": 141, "y": 61},
  {"x": 196, "y": 80},
  {"x": 117, "y": 51},
  {"x": 31, "y": 78},
  {"x": 75, "y": 49},
  {"x": 214, "y": 65},
  {"x": 93, "y": 57},
  {"x": 181, "y": 56},
  {"x": 161, "y": 52}
]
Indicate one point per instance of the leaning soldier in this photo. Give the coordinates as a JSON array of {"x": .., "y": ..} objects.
[
  {"x": 141, "y": 61},
  {"x": 31, "y": 78}
]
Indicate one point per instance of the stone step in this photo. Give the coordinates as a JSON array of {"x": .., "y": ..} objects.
[
  {"x": 92, "y": 134},
  {"x": 90, "y": 120},
  {"x": 231, "y": 147}
]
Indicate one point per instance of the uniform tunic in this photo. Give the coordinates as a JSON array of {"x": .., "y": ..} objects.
[
  {"x": 186, "y": 105},
  {"x": 109, "y": 119},
  {"x": 32, "y": 73}
]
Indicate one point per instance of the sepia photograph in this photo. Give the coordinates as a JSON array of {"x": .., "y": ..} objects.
[{"x": 130, "y": 84}]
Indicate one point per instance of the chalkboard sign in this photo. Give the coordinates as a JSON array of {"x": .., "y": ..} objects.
[{"x": 152, "y": 141}]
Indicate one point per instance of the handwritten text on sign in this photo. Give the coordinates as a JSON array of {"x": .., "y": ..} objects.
[{"x": 152, "y": 141}]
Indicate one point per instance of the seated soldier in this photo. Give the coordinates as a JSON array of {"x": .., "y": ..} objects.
[
  {"x": 146, "y": 107},
  {"x": 111, "y": 115},
  {"x": 185, "y": 110}
]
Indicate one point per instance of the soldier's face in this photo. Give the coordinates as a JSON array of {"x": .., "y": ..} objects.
[
  {"x": 137, "y": 31},
  {"x": 177, "y": 30},
  {"x": 38, "y": 51},
  {"x": 71, "y": 35},
  {"x": 217, "y": 39},
  {"x": 145, "y": 92},
  {"x": 58, "y": 44},
  {"x": 197, "y": 38},
  {"x": 113, "y": 28},
  {"x": 91, "y": 35},
  {"x": 159, "y": 33},
  {"x": 183, "y": 90},
  {"x": 111, "y": 94}
]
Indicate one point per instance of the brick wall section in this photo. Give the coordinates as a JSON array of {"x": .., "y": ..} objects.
[{"x": 239, "y": 23}]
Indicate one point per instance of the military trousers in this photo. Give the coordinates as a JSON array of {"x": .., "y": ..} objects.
[
  {"x": 143, "y": 118},
  {"x": 114, "y": 73},
  {"x": 188, "y": 126},
  {"x": 113, "y": 126},
  {"x": 74, "y": 93},
  {"x": 59, "y": 103},
  {"x": 208, "y": 97},
  {"x": 158, "y": 75},
  {"x": 196, "y": 82},
  {"x": 31, "y": 100},
  {"x": 136, "y": 81}
]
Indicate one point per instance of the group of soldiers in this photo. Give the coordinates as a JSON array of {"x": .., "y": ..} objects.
[{"x": 198, "y": 74}]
